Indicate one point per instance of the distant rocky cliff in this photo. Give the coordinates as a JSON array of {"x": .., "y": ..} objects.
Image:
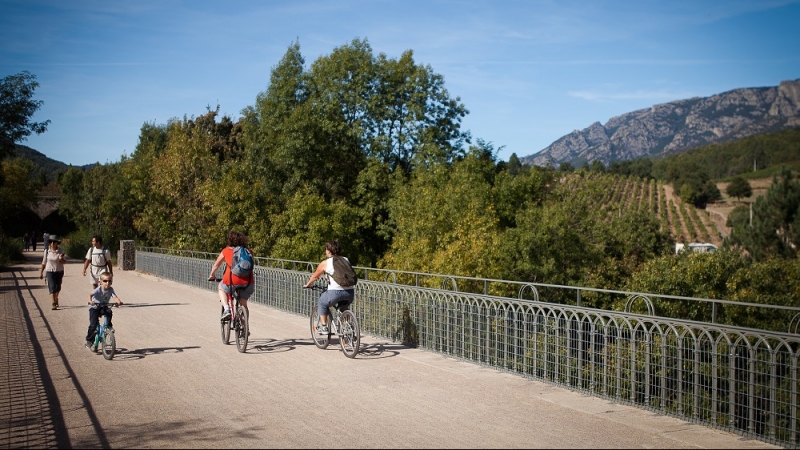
[{"x": 678, "y": 126}]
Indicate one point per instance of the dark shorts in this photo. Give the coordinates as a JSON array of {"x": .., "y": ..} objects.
[
  {"x": 245, "y": 290},
  {"x": 54, "y": 281}
]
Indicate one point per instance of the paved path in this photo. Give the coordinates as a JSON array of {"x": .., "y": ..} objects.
[{"x": 174, "y": 384}]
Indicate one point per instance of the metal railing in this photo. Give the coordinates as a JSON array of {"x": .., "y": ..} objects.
[{"x": 736, "y": 379}]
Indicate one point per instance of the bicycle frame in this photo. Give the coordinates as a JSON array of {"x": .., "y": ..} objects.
[
  {"x": 104, "y": 337},
  {"x": 236, "y": 322},
  {"x": 342, "y": 323}
]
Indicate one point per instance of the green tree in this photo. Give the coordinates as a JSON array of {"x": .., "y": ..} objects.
[
  {"x": 309, "y": 221},
  {"x": 597, "y": 166},
  {"x": 514, "y": 165},
  {"x": 701, "y": 275},
  {"x": 775, "y": 281},
  {"x": 739, "y": 188},
  {"x": 445, "y": 220},
  {"x": 565, "y": 167},
  {"x": 512, "y": 194},
  {"x": 411, "y": 113},
  {"x": 775, "y": 221},
  {"x": 16, "y": 109},
  {"x": 18, "y": 192},
  {"x": 176, "y": 214}
]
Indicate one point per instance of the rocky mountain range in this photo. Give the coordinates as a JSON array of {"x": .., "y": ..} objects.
[{"x": 678, "y": 126}]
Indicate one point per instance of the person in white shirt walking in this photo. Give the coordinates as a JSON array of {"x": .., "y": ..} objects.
[{"x": 99, "y": 258}]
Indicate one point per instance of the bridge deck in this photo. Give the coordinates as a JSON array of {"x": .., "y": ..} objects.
[{"x": 174, "y": 384}]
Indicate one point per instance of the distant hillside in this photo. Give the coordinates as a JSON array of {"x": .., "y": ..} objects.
[
  {"x": 50, "y": 166},
  {"x": 678, "y": 126},
  {"x": 754, "y": 156}
]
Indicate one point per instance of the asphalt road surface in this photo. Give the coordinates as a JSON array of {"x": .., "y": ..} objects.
[{"x": 173, "y": 384}]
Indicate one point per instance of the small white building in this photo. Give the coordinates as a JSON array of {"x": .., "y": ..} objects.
[{"x": 699, "y": 247}]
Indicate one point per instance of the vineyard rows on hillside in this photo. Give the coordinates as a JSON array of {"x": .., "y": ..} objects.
[{"x": 614, "y": 193}]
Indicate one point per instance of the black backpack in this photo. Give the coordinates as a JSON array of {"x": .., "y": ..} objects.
[{"x": 343, "y": 272}]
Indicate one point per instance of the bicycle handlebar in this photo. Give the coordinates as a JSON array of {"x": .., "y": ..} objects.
[{"x": 109, "y": 304}]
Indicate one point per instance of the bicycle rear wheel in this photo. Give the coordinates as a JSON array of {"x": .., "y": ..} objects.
[
  {"x": 109, "y": 344},
  {"x": 349, "y": 334},
  {"x": 320, "y": 340},
  {"x": 242, "y": 330},
  {"x": 225, "y": 326}
]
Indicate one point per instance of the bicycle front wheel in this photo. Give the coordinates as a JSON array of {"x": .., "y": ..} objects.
[
  {"x": 320, "y": 340},
  {"x": 349, "y": 334},
  {"x": 242, "y": 330},
  {"x": 109, "y": 344},
  {"x": 225, "y": 327}
]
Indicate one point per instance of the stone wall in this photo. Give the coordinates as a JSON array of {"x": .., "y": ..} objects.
[{"x": 126, "y": 257}]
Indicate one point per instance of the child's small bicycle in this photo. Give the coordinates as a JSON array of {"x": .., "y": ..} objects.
[
  {"x": 238, "y": 322},
  {"x": 104, "y": 338},
  {"x": 342, "y": 323}
]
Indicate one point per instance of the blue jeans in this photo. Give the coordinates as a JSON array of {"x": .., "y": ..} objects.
[{"x": 330, "y": 298}]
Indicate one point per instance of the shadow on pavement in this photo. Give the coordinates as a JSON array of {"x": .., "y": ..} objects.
[
  {"x": 145, "y": 305},
  {"x": 379, "y": 351},
  {"x": 275, "y": 346},
  {"x": 140, "y": 353}
]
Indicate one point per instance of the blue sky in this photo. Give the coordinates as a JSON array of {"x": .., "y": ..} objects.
[{"x": 528, "y": 71}]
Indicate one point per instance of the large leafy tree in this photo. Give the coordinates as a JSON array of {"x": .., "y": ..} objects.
[
  {"x": 16, "y": 110},
  {"x": 775, "y": 226},
  {"x": 340, "y": 129},
  {"x": 445, "y": 220},
  {"x": 410, "y": 111},
  {"x": 99, "y": 201},
  {"x": 177, "y": 213}
]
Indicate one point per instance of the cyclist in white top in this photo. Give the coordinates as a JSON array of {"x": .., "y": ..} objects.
[{"x": 344, "y": 296}]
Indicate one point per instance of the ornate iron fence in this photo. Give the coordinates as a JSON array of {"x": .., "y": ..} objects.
[{"x": 732, "y": 378}]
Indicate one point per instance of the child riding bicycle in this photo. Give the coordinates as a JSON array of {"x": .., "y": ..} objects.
[{"x": 99, "y": 299}]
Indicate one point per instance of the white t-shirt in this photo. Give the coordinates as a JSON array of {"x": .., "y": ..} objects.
[
  {"x": 332, "y": 284},
  {"x": 98, "y": 257}
]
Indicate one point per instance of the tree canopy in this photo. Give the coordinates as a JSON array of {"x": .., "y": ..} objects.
[
  {"x": 739, "y": 188},
  {"x": 17, "y": 107}
]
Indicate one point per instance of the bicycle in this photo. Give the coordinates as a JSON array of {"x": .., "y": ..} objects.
[
  {"x": 104, "y": 337},
  {"x": 238, "y": 321},
  {"x": 342, "y": 322}
]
